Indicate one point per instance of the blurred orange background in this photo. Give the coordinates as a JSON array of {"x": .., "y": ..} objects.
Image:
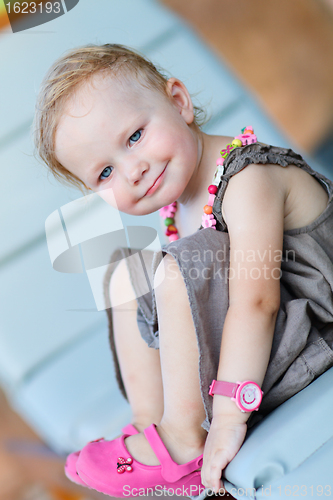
[{"x": 282, "y": 50}]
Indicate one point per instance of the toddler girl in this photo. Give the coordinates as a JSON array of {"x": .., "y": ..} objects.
[{"x": 245, "y": 301}]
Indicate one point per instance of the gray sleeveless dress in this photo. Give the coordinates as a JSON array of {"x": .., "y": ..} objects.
[{"x": 303, "y": 338}]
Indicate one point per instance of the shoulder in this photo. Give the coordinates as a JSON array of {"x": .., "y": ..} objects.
[{"x": 253, "y": 189}]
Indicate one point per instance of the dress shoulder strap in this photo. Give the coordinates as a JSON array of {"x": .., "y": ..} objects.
[{"x": 258, "y": 152}]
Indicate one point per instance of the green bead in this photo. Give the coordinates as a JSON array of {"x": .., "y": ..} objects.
[{"x": 169, "y": 221}]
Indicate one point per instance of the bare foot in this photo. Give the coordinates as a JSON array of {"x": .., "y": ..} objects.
[
  {"x": 180, "y": 451},
  {"x": 140, "y": 449}
]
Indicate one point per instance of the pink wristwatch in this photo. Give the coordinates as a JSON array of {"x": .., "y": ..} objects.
[{"x": 247, "y": 395}]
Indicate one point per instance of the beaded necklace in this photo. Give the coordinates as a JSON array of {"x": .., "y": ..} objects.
[{"x": 208, "y": 220}]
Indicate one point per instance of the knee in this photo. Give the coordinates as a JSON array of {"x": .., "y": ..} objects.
[
  {"x": 167, "y": 277},
  {"x": 121, "y": 290}
]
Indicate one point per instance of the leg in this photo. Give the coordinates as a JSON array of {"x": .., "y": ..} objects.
[
  {"x": 180, "y": 427},
  {"x": 183, "y": 407},
  {"x": 140, "y": 365}
]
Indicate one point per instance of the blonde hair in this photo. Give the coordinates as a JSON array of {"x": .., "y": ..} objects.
[{"x": 68, "y": 74}]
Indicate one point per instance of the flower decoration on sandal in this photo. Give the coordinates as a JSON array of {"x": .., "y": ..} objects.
[{"x": 124, "y": 465}]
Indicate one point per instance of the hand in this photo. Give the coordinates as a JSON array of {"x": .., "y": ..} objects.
[{"x": 224, "y": 439}]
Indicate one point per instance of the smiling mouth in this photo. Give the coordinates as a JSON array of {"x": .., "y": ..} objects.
[{"x": 156, "y": 183}]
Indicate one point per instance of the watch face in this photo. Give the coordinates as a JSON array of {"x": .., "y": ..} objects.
[{"x": 249, "y": 396}]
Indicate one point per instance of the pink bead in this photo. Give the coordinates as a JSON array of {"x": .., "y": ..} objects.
[
  {"x": 219, "y": 161},
  {"x": 211, "y": 199},
  {"x": 174, "y": 237},
  {"x": 169, "y": 232},
  {"x": 212, "y": 189}
]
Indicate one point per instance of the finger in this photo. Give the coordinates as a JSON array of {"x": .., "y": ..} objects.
[
  {"x": 205, "y": 471},
  {"x": 215, "y": 472},
  {"x": 222, "y": 488},
  {"x": 205, "y": 480},
  {"x": 221, "y": 491},
  {"x": 215, "y": 478},
  {"x": 211, "y": 476}
]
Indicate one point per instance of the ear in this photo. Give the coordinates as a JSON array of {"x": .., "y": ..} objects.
[{"x": 180, "y": 96}]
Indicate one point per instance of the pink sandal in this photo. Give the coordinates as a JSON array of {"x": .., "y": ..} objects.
[
  {"x": 107, "y": 466},
  {"x": 70, "y": 466}
]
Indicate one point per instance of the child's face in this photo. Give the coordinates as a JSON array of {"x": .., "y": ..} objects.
[{"x": 124, "y": 140}]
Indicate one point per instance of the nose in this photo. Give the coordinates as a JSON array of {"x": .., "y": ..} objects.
[{"x": 135, "y": 170}]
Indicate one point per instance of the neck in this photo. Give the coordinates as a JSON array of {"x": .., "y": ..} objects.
[{"x": 208, "y": 151}]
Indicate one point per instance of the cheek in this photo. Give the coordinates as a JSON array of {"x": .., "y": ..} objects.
[
  {"x": 160, "y": 146},
  {"x": 116, "y": 197},
  {"x": 180, "y": 142},
  {"x": 166, "y": 140},
  {"x": 108, "y": 196}
]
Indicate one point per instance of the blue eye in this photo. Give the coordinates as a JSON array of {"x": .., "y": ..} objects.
[
  {"x": 136, "y": 136},
  {"x": 106, "y": 173}
]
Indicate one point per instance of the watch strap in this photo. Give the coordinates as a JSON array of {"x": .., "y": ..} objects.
[{"x": 223, "y": 388}]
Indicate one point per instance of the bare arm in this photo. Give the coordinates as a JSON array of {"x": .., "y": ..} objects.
[
  {"x": 254, "y": 212},
  {"x": 253, "y": 209}
]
